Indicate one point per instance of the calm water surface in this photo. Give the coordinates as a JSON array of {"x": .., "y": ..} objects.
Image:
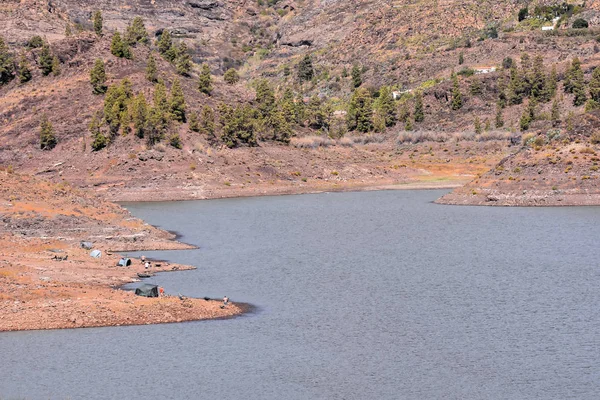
[{"x": 358, "y": 296}]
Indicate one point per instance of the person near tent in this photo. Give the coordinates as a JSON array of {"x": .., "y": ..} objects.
[
  {"x": 225, "y": 301},
  {"x": 161, "y": 291},
  {"x": 147, "y": 265}
]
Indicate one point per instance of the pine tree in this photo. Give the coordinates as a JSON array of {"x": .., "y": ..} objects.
[
  {"x": 98, "y": 77},
  {"x": 555, "y": 113},
  {"x": 476, "y": 86},
  {"x": 35, "y": 42},
  {"x": 525, "y": 120},
  {"x": 305, "y": 69},
  {"x": 499, "y": 117},
  {"x": 378, "y": 122},
  {"x": 177, "y": 101},
  {"x": 100, "y": 141},
  {"x": 239, "y": 126},
  {"x": 408, "y": 125},
  {"x": 594, "y": 85},
  {"x": 404, "y": 113},
  {"x": 24, "y": 69},
  {"x": 139, "y": 114},
  {"x": 515, "y": 87},
  {"x": 231, "y": 77},
  {"x": 151, "y": 70},
  {"x": 578, "y": 86},
  {"x": 118, "y": 47},
  {"x": 300, "y": 110},
  {"x": 457, "y": 101},
  {"x": 183, "y": 61},
  {"x": 477, "y": 125},
  {"x": 385, "y": 109},
  {"x": 158, "y": 116},
  {"x": 418, "y": 114},
  {"x": 68, "y": 32},
  {"x": 47, "y": 136},
  {"x": 316, "y": 114},
  {"x": 502, "y": 86},
  {"x": 97, "y": 18},
  {"x": 205, "y": 80},
  {"x": 461, "y": 58},
  {"x": 538, "y": 79},
  {"x": 194, "y": 122},
  {"x": 165, "y": 44},
  {"x": 161, "y": 102},
  {"x": 136, "y": 32},
  {"x": 356, "y": 76},
  {"x": 6, "y": 63},
  {"x": 288, "y": 108},
  {"x": 360, "y": 111},
  {"x": 525, "y": 73},
  {"x": 345, "y": 73},
  {"x": 531, "y": 109},
  {"x": 115, "y": 103},
  {"x": 573, "y": 77},
  {"x": 265, "y": 98},
  {"x": 55, "y": 66},
  {"x": 278, "y": 126},
  {"x": 156, "y": 126},
  {"x": 45, "y": 60},
  {"x": 551, "y": 84},
  {"x": 207, "y": 121}
]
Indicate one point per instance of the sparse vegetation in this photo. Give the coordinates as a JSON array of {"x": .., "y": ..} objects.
[
  {"x": 231, "y": 76},
  {"x": 98, "y": 77},
  {"x": 205, "y": 80},
  {"x": 47, "y": 135}
]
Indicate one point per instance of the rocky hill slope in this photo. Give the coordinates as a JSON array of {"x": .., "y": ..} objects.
[{"x": 411, "y": 46}]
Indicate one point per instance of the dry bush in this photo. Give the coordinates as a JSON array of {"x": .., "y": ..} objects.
[
  {"x": 366, "y": 139},
  {"x": 422, "y": 136},
  {"x": 345, "y": 142},
  {"x": 440, "y": 137},
  {"x": 528, "y": 138},
  {"x": 587, "y": 150},
  {"x": 311, "y": 142},
  {"x": 464, "y": 136},
  {"x": 493, "y": 135}
]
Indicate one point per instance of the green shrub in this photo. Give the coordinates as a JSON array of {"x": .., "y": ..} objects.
[{"x": 580, "y": 23}]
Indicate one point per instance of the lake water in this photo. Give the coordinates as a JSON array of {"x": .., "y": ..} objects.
[{"x": 373, "y": 295}]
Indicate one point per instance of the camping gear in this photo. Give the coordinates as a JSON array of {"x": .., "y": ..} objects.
[
  {"x": 87, "y": 245},
  {"x": 147, "y": 290},
  {"x": 124, "y": 262},
  {"x": 96, "y": 253}
]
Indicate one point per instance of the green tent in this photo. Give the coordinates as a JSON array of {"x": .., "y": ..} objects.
[{"x": 147, "y": 290}]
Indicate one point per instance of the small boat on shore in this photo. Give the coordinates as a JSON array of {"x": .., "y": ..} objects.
[{"x": 144, "y": 275}]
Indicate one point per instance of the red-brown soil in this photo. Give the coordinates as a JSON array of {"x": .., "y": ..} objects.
[
  {"x": 550, "y": 171},
  {"x": 43, "y": 221}
]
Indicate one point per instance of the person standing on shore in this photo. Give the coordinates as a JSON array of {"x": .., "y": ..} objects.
[{"x": 225, "y": 301}]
